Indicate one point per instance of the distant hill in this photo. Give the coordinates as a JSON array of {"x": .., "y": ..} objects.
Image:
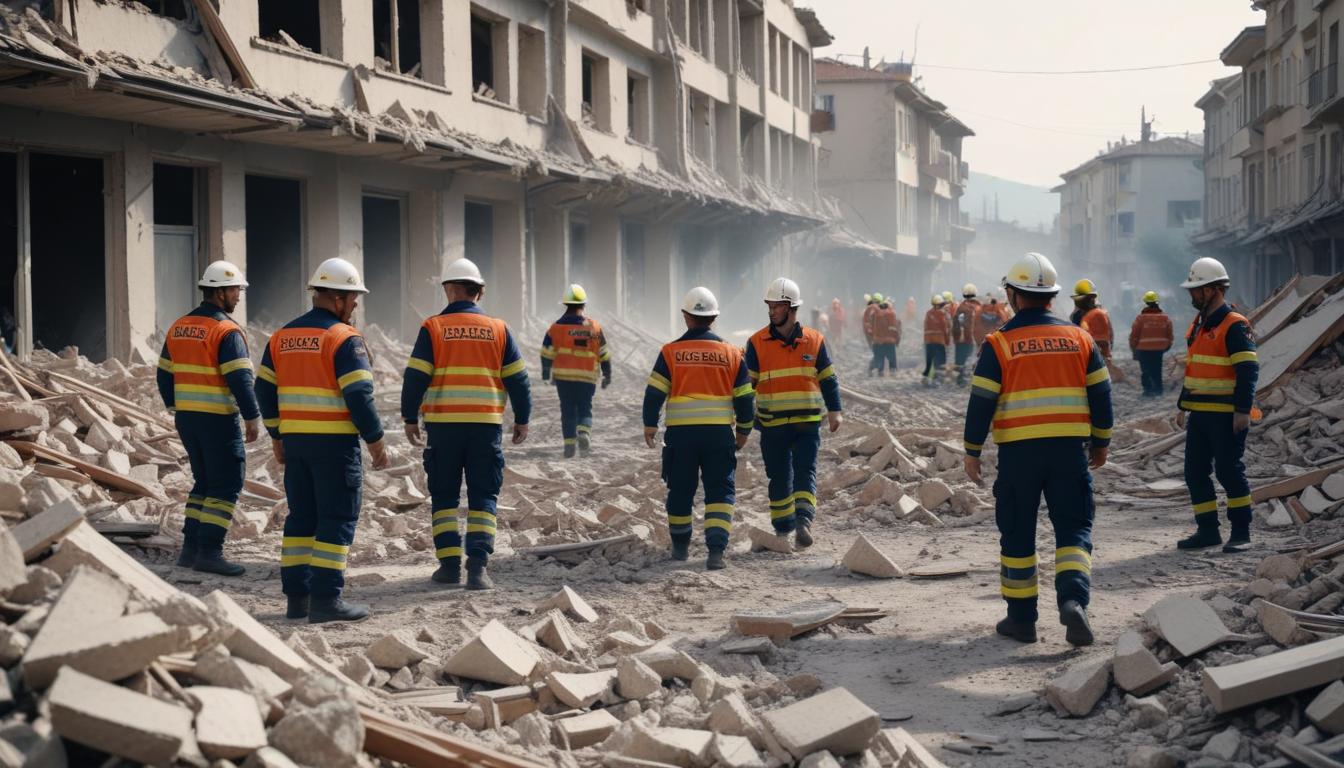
[{"x": 1030, "y": 206}]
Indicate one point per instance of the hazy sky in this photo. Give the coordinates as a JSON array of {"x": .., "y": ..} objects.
[{"x": 1031, "y": 128}]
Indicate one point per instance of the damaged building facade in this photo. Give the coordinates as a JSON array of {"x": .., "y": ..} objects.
[
  {"x": 1274, "y": 138},
  {"x": 636, "y": 146}
]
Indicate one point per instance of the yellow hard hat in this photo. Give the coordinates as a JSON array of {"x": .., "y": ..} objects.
[
  {"x": 575, "y": 295},
  {"x": 1083, "y": 288},
  {"x": 877, "y": 297},
  {"x": 1150, "y": 297},
  {"x": 947, "y": 295}
]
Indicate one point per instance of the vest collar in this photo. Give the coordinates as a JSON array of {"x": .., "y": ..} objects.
[{"x": 469, "y": 307}]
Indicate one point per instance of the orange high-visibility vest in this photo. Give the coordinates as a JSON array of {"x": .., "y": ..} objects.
[
  {"x": 787, "y": 386},
  {"x": 304, "y": 360},
  {"x": 937, "y": 326},
  {"x": 576, "y": 351},
  {"x": 467, "y": 385},
  {"x": 198, "y": 378},
  {"x": 869, "y": 313},
  {"x": 1098, "y": 323},
  {"x": 987, "y": 319},
  {"x": 1043, "y": 392},
  {"x": 964, "y": 328},
  {"x": 1209, "y": 370},
  {"x": 1151, "y": 332},
  {"x": 702, "y": 374}
]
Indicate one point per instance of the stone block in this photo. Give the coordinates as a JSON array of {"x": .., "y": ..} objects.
[
  {"x": 1078, "y": 690},
  {"x": 587, "y": 729},
  {"x": 269, "y": 757},
  {"x": 769, "y": 541},
  {"x": 581, "y": 690},
  {"x": 875, "y": 490},
  {"x": 1314, "y": 501},
  {"x": 330, "y": 734},
  {"x": 13, "y": 644},
  {"x": 1187, "y": 623},
  {"x": 1223, "y": 746},
  {"x": 358, "y": 668},
  {"x": 218, "y": 668},
  {"x": 1326, "y": 711},
  {"x": 1279, "y": 568},
  {"x": 734, "y": 752},
  {"x": 395, "y": 651},
  {"x": 1148, "y": 711},
  {"x": 635, "y": 679},
  {"x": 108, "y": 650},
  {"x": 624, "y": 642},
  {"x": 253, "y": 642},
  {"x": 21, "y": 416},
  {"x": 906, "y": 506},
  {"x": 558, "y": 634},
  {"x": 1135, "y": 667},
  {"x": 933, "y": 493},
  {"x": 571, "y": 603},
  {"x": 835, "y": 720},
  {"x": 732, "y": 715},
  {"x": 228, "y": 724},
  {"x": 670, "y": 663},
  {"x": 1334, "y": 486},
  {"x": 39, "y": 581},
  {"x": 12, "y": 573},
  {"x": 672, "y": 746},
  {"x": 1278, "y": 623},
  {"x": 116, "y": 720},
  {"x": 865, "y": 558},
  {"x": 495, "y": 655}
]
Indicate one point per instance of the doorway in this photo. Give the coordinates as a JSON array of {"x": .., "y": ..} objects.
[{"x": 384, "y": 255}]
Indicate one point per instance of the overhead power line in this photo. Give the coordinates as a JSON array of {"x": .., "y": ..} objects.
[{"x": 1112, "y": 70}]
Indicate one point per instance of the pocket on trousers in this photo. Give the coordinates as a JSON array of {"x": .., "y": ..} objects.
[
  {"x": 1003, "y": 506},
  {"x": 354, "y": 477}
]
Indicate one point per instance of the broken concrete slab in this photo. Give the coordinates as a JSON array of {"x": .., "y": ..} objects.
[
  {"x": 558, "y": 634},
  {"x": 83, "y": 545},
  {"x": 1279, "y": 568},
  {"x": 734, "y": 752},
  {"x": 835, "y": 720},
  {"x": 12, "y": 573},
  {"x": 750, "y": 646},
  {"x": 1278, "y": 623},
  {"x": 670, "y": 663},
  {"x": 769, "y": 541},
  {"x": 932, "y": 493},
  {"x": 109, "y": 650},
  {"x": 1279, "y": 674},
  {"x": 865, "y": 558},
  {"x": 330, "y": 734},
  {"x": 1135, "y": 667},
  {"x": 671, "y": 746},
  {"x": 940, "y": 569},
  {"x": 625, "y": 642},
  {"x": 571, "y": 603},
  {"x": 581, "y": 690},
  {"x": 116, "y": 720},
  {"x": 1188, "y": 624},
  {"x": 1334, "y": 486},
  {"x": 228, "y": 725},
  {"x": 504, "y": 705},
  {"x": 905, "y": 751},
  {"x": 635, "y": 679},
  {"x": 396, "y": 650},
  {"x": 39, "y": 532},
  {"x": 1326, "y": 711},
  {"x": 226, "y": 671},
  {"x": 495, "y": 655},
  {"x": 732, "y": 715},
  {"x": 587, "y": 729},
  {"x": 790, "y": 621},
  {"x": 1224, "y": 745},
  {"x": 17, "y": 416},
  {"x": 1314, "y": 501},
  {"x": 1078, "y": 690},
  {"x": 253, "y": 642}
]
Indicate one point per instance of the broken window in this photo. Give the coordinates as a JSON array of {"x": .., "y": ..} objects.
[
  {"x": 699, "y": 25},
  {"x": 578, "y": 251},
  {"x": 1181, "y": 212},
  {"x": 9, "y": 246},
  {"x": 173, "y": 9},
  {"x": 1125, "y": 222},
  {"x": 678, "y": 15},
  {"x": 177, "y": 242},
  {"x": 749, "y": 43},
  {"x": 596, "y": 73},
  {"x": 532, "y": 71},
  {"x": 753, "y": 144},
  {"x": 478, "y": 236},
  {"x": 273, "y": 212},
  {"x": 384, "y": 249},
  {"x": 699, "y": 131},
  {"x": 638, "y": 124},
  {"x": 65, "y": 228},
  {"x": 490, "y": 55},
  {"x": 396, "y": 36},
  {"x": 774, "y": 62},
  {"x": 723, "y": 35},
  {"x": 294, "y": 23}
]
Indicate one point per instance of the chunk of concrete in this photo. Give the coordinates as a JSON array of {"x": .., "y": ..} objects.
[
  {"x": 1148, "y": 711},
  {"x": 12, "y": 573},
  {"x": 1279, "y": 516},
  {"x": 13, "y": 644},
  {"x": 1136, "y": 669},
  {"x": 1334, "y": 486},
  {"x": 571, "y": 603},
  {"x": 734, "y": 752},
  {"x": 1188, "y": 624},
  {"x": 1314, "y": 501},
  {"x": 253, "y": 642},
  {"x": 906, "y": 506},
  {"x": 269, "y": 757},
  {"x": 673, "y": 746},
  {"x": 768, "y": 541},
  {"x": 228, "y": 724},
  {"x": 1279, "y": 568},
  {"x": 1078, "y": 690},
  {"x": 821, "y": 759},
  {"x": 39, "y": 582},
  {"x": 835, "y": 720},
  {"x": 395, "y": 651},
  {"x": 109, "y": 650},
  {"x": 933, "y": 492},
  {"x": 330, "y": 734},
  {"x": 670, "y": 663},
  {"x": 865, "y": 558},
  {"x": 1278, "y": 623},
  {"x": 587, "y": 729},
  {"x": 20, "y": 416},
  {"x": 495, "y": 655},
  {"x": 635, "y": 679},
  {"x": 581, "y": 690},
  {"x": 732, "y": 715},
  {"x": 218, "y": 668},
  {"x": 1326, "y": 711},
  {"x": 876, "y": 489},
  {"x": 558, "y": 634},
  {"x": 117, "y": 720},
  {"x": 1223, "y": 746}
]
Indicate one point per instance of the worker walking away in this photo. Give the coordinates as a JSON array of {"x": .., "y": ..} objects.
[
  {"x": 838, "y": 323},
  {"x": 461, "y": 368},
  {"x": 869, "y": 318},
  {"x": 572, "y": 353},
  {"x": 886, "y": 337},
  {"x": 1043, "y": 389},
  {"x": 703, "y": 379},
  {"x": 205, "y": 379},
  {"x": 795, "y": 382},
  {"x": 937, "y": 335},
  {"x": 315, "y": 388},
  {"x": 963, "y": 330},
  {"x": 1091, "y": 317},
  {"x": 1150, "y": 337},
  {"x": 1221, "y": 370},
  {"x": 988, "y": 319}
]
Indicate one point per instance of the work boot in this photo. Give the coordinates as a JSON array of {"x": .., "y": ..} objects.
[
  {"x": 1239, "y": 541},
  {"x": 335, "y": 609},
  {"x": 715, "y": 561},
  {"x": 1202, "y": 538},
  {"x": 585, "y": 443},
  {"x": 187, "y": 557},
  {"x": 447, "y": 574},
  {"x": 802, "y": 535},
  {"x": 570, "y": 450},
  {"x": 214, "y": 562},
  {"x": 1020, "y": 631},
  {"x": 681, "y": 550},
  {"x": 1074, "y": 618},
  {"x": 297, "y": 608},
  {"x": 477, "y": 578}
]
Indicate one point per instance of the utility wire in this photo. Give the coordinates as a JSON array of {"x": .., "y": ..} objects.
[
  {"x": 1045, "y": 128},
  {"x": 1145, "y": 68}
]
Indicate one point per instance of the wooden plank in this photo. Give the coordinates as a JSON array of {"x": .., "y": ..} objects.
[
  {"x": 866, "y": 399},
  {"x": 106, "y": 477},
  {"x": 62, "y": 473},
  {"x": 1305, "y": 754},
  {"x": 421, "y": 747},
  {"x": 126, "y": 530},
  {"x": 1250, "y": 682},
  {"x": 39, "y": 532},
  {"x": 1294, "y": 485},
  {"x": 216, "y": 28},
  {"x": 578, "y": 546}
]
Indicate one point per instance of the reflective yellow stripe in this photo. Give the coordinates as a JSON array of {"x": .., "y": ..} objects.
[
  {"x": 1071, "y": 566},
  {"x": 713, "y": 522},
  {"x": 679, "y": 519},
  {"x": 447, "y": 526},
  {"x": 266, "y": 374},
  {"x": 1073, "y": 552},
  {"x": 1021, "y": 592},
  {"x": 306, "y": 427},
  {"x": 1098, "y": 376},
  {"x": 331, "y": 556},
  {"x": 826, "y": 373},
  {"x": 745, "y": 389},
  {"x": 1018, "y": 562},
  {"x": 1239, "y": 501},
  {"x": 1214, "y": 385},
  {"x": 166, "y": 364},
  {"x": 1101, "y": 434},
  {"x": 354, "y": 377},
  {"x": 222, "y": 506},
  {"x": 466, "y": 371},
  {"x": 208, "y": 370},
  {"x": 446, "y": 552},
  {"x": 660, "y": 383},
  {"x": 239, "y": 364},
  {"x": 464, "y": 418},
  {"x": 423, "y": 366},
  {"x": 1206, "y": 506},
  {"x": 1192, "y": 405},
  {"x": 718, "y": 507},
  {"x": 272, "y": 423},
  {"x": 576, "y": 352},
  {"x": 805, "y": 496},
  {"x": 788, "y": 511},
  {"x": 780, "y": 373},
  {"x": 208, "y": 518},
  {"x": 1037, "y": 431},
  {"x": 1211, "y": 359},
  {"x": 972, "y": 446},
  {"x": 986, "y": 384},
  {"x": 1248, "y": 356},
  {"x": 548, "y": 353},
  {"x": 512, "y": 369},
  {"x": 205, "y": 389}
]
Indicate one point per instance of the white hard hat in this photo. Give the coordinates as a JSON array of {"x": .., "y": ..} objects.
[
  {"x": 1205, "y": 271},
  {"x": 463, "y": 271},
  {"x": 784, "y": 289},
  {"x": 968, "y": 290},
  {"x": 337, "y": 275},
  {"x": 700, "y": 302},
  {"x": 1032, "y": 273},
  {"x": 222, "y": 274}
]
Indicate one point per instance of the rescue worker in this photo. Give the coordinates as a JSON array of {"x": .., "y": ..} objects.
[
  {"x": 703, "y": 379},
  {"x": 1221, "y": 370},
  {"x": 963, "y": 330},
  {"x": 886, "y": 337},
  {"x": 838, "y": 323},
  {"x": 460, "y": 369},
  {"x": 1150, "y": 337},
  {"x": 908, "y": 315},
  {"x": 315, "y": 388},
  {"x": 571, "y": 353},
  {"x": 205, "y": 379},
  {"x": 937, "y": 335},
  {"x": 791, "y": 369},
  {"x": 1043, "y": 388},
  {"x": 869, "y": 312},
  {"x": 1089, "y": 316},
  {"x": 989, "y": 319}
]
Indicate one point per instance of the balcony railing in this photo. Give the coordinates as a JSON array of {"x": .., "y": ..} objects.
[{"x": 1323, "y": 84}]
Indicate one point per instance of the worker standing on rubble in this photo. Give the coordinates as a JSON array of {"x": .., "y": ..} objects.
[
  {"x": 794, "y": 379},
  {"x": 937, "y": 335},
  {"x": 886, "y": 337},
  {"x": 838, "y": 323},
  {"x": 704, "y": 382},
  {"x": 869, "y": 312},
  {"x": 1090, "y": 316},
  {"x": 315, "y": 388},
  {"x": 571, "y": 353},
  {"x": 205, "y": 378},
  {"x": 1043, "y": 388},
  {"x": 963, "y": 330},
  {"x": 460, "y": 368},
  {"x": 1150, "y": 337},
  {"x": 1216, "y": 404}
]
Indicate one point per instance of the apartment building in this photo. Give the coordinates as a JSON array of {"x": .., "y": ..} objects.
[
  {"x": 891, "y": 158},
  {"x": 1279, "y": 135},
  {"x": 1121, "y": 211},
  {"x": 639, "y": 147}
]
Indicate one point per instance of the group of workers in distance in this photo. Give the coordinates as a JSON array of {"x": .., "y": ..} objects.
[{"x": 1040, "y": 387}]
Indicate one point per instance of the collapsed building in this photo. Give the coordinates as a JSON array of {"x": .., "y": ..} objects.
[{"x": 637, "y": 147}]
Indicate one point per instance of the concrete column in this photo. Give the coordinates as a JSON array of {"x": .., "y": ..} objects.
[
  {"x": 424, "y": 297},
  {"x": 347, "y": 30},
  {"x": 508, "y": 293},
  {"x": 550, "y": 244},
  {"x": 334, "y": 217},
  {"x": 226, "y": 224},
  {"x": 604, "y": 261},
  {"x": 130, "y": 248},
  {"x": 662, "y": 301}
]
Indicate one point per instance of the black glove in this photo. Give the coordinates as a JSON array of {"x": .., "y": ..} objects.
[{"x": 606, "y": 382}]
